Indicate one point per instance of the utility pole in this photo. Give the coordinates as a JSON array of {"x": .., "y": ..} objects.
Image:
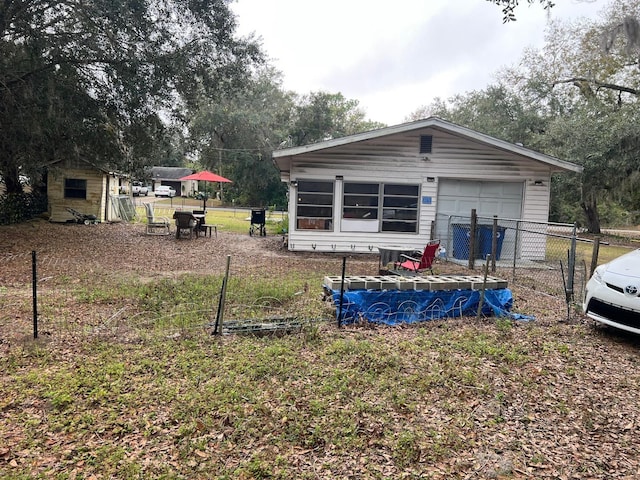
[{"x": 220, "y": 173}]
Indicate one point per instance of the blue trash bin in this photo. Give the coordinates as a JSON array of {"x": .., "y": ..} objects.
[
  {"x": 485, "y": 239},
  {"x": 461, "y": 241}
]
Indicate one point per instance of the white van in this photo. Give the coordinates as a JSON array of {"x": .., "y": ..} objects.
[{"x": 165, "y": 191}]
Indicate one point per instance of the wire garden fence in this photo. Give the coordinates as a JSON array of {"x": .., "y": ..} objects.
[{"x": 48, "y": 300}]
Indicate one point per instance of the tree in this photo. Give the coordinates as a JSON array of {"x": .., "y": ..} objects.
[
  {"x": 597, "y": 125},
  {"x": 496, "y": 111},
  {"x": 235, "y": 133},
  {"x": 322, "y": 116},
  {"x": 576, "y": 100},
  {"x": 509, "y": 6},
  {"x": 98, "y": 80}
]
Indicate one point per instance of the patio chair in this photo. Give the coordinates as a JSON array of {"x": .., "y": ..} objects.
[
  {"x": 186, "y": 224},
  {"x": 419, "y": 264},
  {"x": 156, "y": 225}
]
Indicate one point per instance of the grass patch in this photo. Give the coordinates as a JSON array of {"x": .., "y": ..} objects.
[{"x": 236, "y": 220}]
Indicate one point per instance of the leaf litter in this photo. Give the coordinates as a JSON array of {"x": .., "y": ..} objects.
[{"x": 462, "y": 398}]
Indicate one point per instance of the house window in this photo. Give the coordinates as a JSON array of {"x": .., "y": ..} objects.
[
  {"x": 75, "y": 188},
  {"x": 426, "y": 142},
  {"x": 400, "y": 208},
  {"x": 392, "y": 207},
  {"x": 314, "y": 209},
  {"x": 360, "y": 200}
]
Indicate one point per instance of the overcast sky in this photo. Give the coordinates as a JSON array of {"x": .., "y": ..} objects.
[{"x": 394, "y": 57}]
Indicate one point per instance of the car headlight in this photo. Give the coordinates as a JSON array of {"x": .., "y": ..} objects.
[{"x": 598, "y": 274}]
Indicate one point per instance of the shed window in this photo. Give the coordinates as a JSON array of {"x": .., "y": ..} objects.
[
  {"x": 314, "y": 207},
  {"x": 425, "y": 143},
  {"x": 75, "y": 188}
]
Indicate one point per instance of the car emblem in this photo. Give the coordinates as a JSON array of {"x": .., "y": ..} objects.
[{"x": 631, "y": 289}]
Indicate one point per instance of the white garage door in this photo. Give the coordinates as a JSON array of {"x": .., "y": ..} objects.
[{"x": 459, "y": 197}]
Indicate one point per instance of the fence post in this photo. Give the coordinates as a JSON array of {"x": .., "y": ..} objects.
[
  {"x": 217, "y": 329},
  {"x": 34, "y": 279},
  {"x": 594, "y": 255},
  {"x": 571, "y": 267},
  {"x": 472, "y": 239},
  {"x": 484, "y": 286},
  {"x": 449, "y": 246},
  {"x": 494, "y": 244},
  {"x": 515, "y": 250},
  {"x": 344, "y": 271}
]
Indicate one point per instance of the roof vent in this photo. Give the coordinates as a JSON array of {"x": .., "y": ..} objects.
[{"x": 425, "y": 143}]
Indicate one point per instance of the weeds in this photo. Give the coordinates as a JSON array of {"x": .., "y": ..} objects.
[{"x": 149, "y": 393}]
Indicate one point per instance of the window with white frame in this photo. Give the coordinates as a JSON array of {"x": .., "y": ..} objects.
[
  {"x": 393, "y": 207},
  {"x": 314, "y": 206},
  {"x": 400, "y": 208},
  {"x": 360, "y": 200}
]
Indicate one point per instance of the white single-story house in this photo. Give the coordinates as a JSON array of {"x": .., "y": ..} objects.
[
  {"x": 171, "y": 176},
  {"x": 387, "y": 187}
]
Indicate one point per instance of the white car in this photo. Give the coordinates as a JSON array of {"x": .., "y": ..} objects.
[
  {"x": 165, "y": 191},
  {"x": 612, "y": 294}
]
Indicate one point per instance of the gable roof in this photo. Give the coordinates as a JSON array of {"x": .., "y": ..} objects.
[
  {"x": 169, "y": 173},
  {"x": 279, "y": 156},
  {"x": 81, "y": 162}
]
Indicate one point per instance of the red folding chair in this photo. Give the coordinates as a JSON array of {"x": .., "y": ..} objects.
[{"x": 425, "y": 262}]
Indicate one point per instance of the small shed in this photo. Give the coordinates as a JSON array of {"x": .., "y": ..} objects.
[
  {"x": 387, "y": 187},
  {"x": 84, "y": 187},
  {"x": 171, "y": 176}
]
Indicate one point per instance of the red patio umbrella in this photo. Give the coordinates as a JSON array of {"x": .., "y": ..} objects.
[{"x": 206, "y": 176}]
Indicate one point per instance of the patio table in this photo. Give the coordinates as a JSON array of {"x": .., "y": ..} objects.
[{"x": 391, "y": 254}]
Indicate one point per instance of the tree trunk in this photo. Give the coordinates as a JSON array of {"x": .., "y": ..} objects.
[
  {"x": 590, "y": 209},
  {"x": 11, "y": 179}
]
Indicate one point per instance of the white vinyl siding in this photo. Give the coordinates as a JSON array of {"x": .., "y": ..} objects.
[{"x": 396, "y": 160}]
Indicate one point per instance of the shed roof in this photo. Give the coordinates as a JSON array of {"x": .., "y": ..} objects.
[
  {"x": 282, "y": 157},
  {"x": 81, "y": 162}
]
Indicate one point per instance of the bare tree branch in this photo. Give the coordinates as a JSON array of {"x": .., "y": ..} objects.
[{"x": 581, "y": 81}]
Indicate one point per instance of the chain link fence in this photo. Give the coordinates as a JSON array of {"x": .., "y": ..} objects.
[{"x": 552, "y": 258}]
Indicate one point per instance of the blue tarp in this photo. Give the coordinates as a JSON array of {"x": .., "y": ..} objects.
[{"x": 392, "y": 307}]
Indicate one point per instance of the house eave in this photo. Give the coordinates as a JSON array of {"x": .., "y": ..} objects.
[{"x": 282, "y": 157}]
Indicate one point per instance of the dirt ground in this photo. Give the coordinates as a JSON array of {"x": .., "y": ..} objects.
[
  {"x": 67, "y": 253},
  {"x": 571, "y": 411}
]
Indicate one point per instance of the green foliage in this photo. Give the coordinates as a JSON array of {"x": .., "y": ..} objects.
[
  {"x": 321, "y": 116},
  {"x": 18, "y": 207},
  {"x": 575, "y": 101},
  {"x": 496, "y": 111},
  {"x": 236, "y": 134},
  {"x": 90, "y": 81}
]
